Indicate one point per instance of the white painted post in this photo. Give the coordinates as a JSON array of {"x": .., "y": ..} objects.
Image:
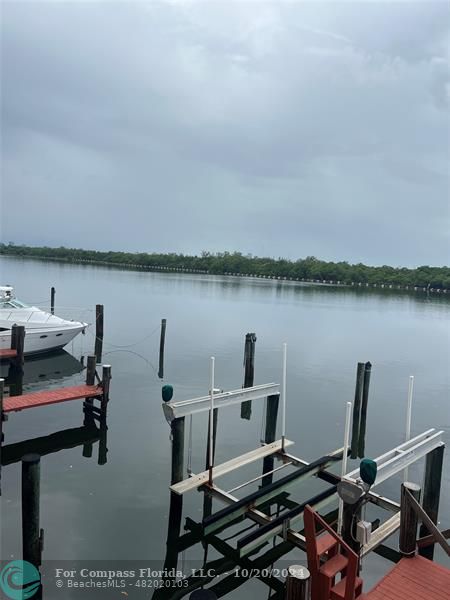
[
  {"x": 348, "y": 415},
  {"x": 283, "y": 397},
  {"x": 211, "y": 422},
  {"x": 408, "y": 418}
]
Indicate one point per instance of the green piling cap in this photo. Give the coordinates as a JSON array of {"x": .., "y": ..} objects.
[
  {"x": 167, "y": 393},
  {"x": 368, "y": 470}
]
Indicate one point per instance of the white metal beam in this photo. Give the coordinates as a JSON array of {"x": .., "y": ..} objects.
[
  {"x": 175, "y": 410},
  {"x": 402, "y": 456}
]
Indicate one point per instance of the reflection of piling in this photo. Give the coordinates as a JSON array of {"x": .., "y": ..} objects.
[
  {"x": 431, "y": 494},
  {"x": 99, "y": 322},
  {"x": 270, "y": 435},
  {"x": 364, "y": 403},
  {"x": 18, "y": 344},
  {"x": 31, "y": 534},
  {"x": 357, "y": 409},
  {"x": 102, "y": 443},
  {"x": 249, "y": 372},
  {"x": 408, "y": 520},
  {"x": 52, "y": 300},
  {"x": 106, "y": 382},
  {"x": 162, "y": 341}
]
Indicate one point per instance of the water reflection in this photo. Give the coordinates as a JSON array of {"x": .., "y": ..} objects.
[{"x": 55, "y": 366}]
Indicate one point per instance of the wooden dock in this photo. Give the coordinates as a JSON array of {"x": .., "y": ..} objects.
[
  {"x": 413, "y": 579},
  {"x": 7, "y": 354},
  {"x": 46, "y": 397}
]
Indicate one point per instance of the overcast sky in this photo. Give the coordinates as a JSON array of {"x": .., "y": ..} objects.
[{"x": 275, "y": 128}]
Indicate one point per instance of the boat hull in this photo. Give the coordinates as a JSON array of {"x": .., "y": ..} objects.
[{"x": 39, "y": 341}]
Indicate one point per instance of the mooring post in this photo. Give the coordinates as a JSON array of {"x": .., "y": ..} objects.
[
  {"x": 31, "y": 534},
  {"x": 90, "y": 377},
  {"x": 298, "y": 583},
  {"x": 162, "y": 341},
  {"x": 18, "y": 344},
  {"x": 408, "y": 520},
  {"x": 106, "y": 381},
  {"x": 431, "y": 494},
  {"x": 272, "y": 403},
  {"x": 52, "y": 300},
  {"x": 249, "y": 372},
  {"x": 99, "y": 321},
  {"x": 357, "y": 409},
  {"x": 177, "y": 431},
  {"x": 15, "y": 380},
  {"x": 88, "y": 421},
  {"x": 364, "y": 403}
]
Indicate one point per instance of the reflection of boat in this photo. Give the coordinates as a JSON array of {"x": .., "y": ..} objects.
[
  {"x": 42, "y": 368},
  {"x": 44, "y": 332}
]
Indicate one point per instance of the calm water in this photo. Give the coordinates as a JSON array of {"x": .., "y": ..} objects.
[{"x": 118, "y": 512}]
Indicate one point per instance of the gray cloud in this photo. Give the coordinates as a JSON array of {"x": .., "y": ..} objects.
[{"x": 276, "y": 128}]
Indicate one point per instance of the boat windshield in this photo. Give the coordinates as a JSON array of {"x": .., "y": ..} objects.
[{"x": 12, "y": 303}]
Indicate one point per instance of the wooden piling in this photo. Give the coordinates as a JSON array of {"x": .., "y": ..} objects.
[
  {"x": 102, "y": 443},
  {"x": 207, "y": 500},
  {"x": 431, "y": 494},
  {"x": 99, "y": 323},
  {"x": 298, "y": 583},
  {"x": 408, "y": 520},
  {"x": 106, "y": 382},
  {"x": 90, "y": 376},
  {"x": 357, "y": 409},
  {"x": 249, "y": 372},
  {"x": 18, "y": 344},
  {"x": 350, "y": 515},
  {"x": 52, "y": 300},
  {"x": 270, "y": 433},
  {"x": 162, "y": 341},
  {"x": 177, "y": 430},
  {"x": 15, "y": 380},
  {"x": 31, "y": 534},
  {"x": 364, "y": 404}
]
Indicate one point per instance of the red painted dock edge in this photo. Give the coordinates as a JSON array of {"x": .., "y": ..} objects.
[
  {"x": 35, "y": 399},
  {"x": 7, "y": 353},
  {"x": 414, "y": 578}
]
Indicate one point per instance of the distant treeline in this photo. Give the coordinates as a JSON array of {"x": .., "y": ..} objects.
[{"x": 235, "y": 263}]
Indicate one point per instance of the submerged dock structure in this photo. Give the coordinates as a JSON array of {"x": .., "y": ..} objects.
[{"x": 335, "y": 542}]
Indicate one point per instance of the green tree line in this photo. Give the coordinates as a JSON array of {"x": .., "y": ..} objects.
[{"x": 309, "y": 268}]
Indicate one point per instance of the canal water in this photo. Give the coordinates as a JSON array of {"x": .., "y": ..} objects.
[{"x": 117, "y": 513}]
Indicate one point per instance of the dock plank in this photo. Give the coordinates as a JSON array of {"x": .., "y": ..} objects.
[
  {"x": 414, "y": 578},
  {"x": 7, "y": 353},
  {"x": 46, "y": 397}
]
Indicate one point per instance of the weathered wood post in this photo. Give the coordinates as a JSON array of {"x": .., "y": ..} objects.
[
  {"x": 357, "y": 409},
  {"x": 272, "y": 403},
  {"x": 162, "y": 341},
  {"x": 249, "y": 372},
  {"x": 99, "y": 323},
  {"x": 350, "y": 515},
  {"x": 18, "y": 344},
  {"x": 298, "y": 583},
  {"x": 408, "y": 520},
  {"x": 31, "y": 534},
  {"x": 106, "y": 382},
  {"x": 52, "y": 300},
  {"x": 364, "y": 403},
  {"x": 90, "y": 377},
  {"x": 15, "y": 380},
  {"x": 88, "y": 421},
  {"x": 431, "y": 494},
  {"x": 207, "y": 499}
]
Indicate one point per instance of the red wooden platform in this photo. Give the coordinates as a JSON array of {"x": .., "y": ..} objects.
[
  {"x": 46, "y": 397},
  {"x": 7, "y": 353},
  {"x": 413, "y": 579}
]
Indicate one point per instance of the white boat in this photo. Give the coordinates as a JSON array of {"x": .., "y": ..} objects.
[{"x": 44, "y": 332}]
